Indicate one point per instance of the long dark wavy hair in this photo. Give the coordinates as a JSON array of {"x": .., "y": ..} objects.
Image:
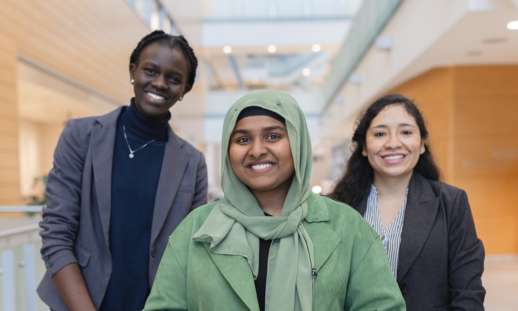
[{"x": 355, "y": 184}]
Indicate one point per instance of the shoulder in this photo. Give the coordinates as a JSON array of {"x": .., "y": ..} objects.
[
  {"x": 187, "y": 147},
  {"x": 82, "y": 127},
  {"x": 193, "y": 221},
  {"x": 345, "y": 220},
  {"x": 448, "y": 194},
  {"x": 339, "y": 210},
  {"x": 453, "y": 201}
]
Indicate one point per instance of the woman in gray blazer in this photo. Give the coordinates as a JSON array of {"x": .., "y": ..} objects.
[
  {"x": 119, "y": 186},
  {"x": 425, "y": 225}
]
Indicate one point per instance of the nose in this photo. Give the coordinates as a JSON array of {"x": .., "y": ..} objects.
[
  {"x": 393, "y": 141},
  {"x": 258, "y": 149},
  {"x": 159, "y": 82}
]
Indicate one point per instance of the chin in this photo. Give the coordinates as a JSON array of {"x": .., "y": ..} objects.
[
  {"x": 397, "y": 174},
  {"x": 262, "y": 187}
]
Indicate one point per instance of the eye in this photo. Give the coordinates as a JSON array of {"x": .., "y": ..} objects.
[
  {"x": 273, "y": 137},
  {"x": 407, "y": 132},
  {"x": 241, "y": 140},
  {"x": 149, "y": 71},
  {"x": 174, "y": 80},
  {"x": 378, "y": 134}
]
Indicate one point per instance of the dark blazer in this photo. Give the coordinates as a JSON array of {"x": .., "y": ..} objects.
[
  {"x": 76, "y": 220},
  {"x": 441, "y": 259}
]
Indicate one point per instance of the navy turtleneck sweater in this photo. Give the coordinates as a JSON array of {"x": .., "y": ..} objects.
[{"x": 134, "y": 184}]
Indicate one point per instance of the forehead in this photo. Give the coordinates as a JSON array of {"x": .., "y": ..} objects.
[
  {"x": 393, "y": 115},
  {"x": 257, "y": 123},
  {"x": 162, "y": 52}
]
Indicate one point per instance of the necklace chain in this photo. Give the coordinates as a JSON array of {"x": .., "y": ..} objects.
[{"x": 132, "y": 152}]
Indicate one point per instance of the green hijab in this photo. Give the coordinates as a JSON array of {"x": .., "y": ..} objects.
[{"x": 237, "y": 221}]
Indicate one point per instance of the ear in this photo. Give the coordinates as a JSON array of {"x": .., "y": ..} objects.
[
  {"x": 364, "y": 152},
  {"x": 132, "y": 68},
  {"x": 423, "y": 148}
]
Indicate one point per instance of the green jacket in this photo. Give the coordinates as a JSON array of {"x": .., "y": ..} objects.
[{"x": 353, "y": 272}]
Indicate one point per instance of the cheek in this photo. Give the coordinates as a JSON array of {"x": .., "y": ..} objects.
[
  {"x": 288, "y": 157},
  {"x": 235, "y": 155},
  {"x": 370, "y": 148}
]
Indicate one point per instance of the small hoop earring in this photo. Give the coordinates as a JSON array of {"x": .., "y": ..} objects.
[{"x": 132, "y": 81}]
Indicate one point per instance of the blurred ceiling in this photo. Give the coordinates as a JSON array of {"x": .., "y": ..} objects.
[
  {"x": 286, "y": 44},
  {"x": 81, "y": 48}
]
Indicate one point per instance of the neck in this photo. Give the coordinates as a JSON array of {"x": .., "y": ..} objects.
[
  {"x": 140, "y": 125},
  {"x": 387, "y": 185},
  {"x": 271, "y": 202}
]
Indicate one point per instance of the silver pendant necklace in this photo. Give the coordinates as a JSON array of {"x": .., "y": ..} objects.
[{"x": 132, "y": 152}]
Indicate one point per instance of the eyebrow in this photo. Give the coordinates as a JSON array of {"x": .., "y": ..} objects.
[
  {"x": 152, "y": 63},
  {"x": 265, "y": 129},
  {"x": 400, "y": 125}
]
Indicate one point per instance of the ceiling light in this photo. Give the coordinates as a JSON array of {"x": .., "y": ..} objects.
[
  {"x": 154, "y": 21},
  {"x": 384, "y": 43},
  {"x": 306, "y": 72},
  {"x": 271, "y": 49},
  {"x": 316, "y": 189},
  {"x": 512, "y": 25},
  {"x": 315, "y": 48},
  {"x": 227, "y": 49}
]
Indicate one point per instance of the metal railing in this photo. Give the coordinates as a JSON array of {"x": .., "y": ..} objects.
[{"x": 21, "y": 267}]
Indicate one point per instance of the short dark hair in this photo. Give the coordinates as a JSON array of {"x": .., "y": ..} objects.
[
  {"x": 173, "y": 42},
  {"x": 355, "y": 184}
]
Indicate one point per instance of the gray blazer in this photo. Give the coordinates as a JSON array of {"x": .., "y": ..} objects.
[{"x": 76, "y": 220}]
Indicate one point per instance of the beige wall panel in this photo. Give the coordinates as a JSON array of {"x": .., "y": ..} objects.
[
  {"x": 50, "y": 136},
  {"x": 486, "y": 113},
  {"x": 88, "y": 42},
  {"x": 9, "y": 166},
  {"x": 494, "y": 213},
  {"x": 486, "y": 156},
  {"x": 486, "y": 124},
  {"x": 486, "y": 79}
]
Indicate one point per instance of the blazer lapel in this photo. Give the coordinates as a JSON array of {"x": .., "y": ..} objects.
[
  {"x": 171, "y": 174},
  {"x": 420, "y": 214},
  {"x": 323, "y": 238},
  {"x": 103, "y": 142},
  {"x": 236, "y": 271}
]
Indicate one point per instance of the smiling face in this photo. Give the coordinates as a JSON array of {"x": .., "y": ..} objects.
[
  {"x": 160, "y": 79},
  {"x": 260, "y": 154},
  {"x": 393, "y": 143}
]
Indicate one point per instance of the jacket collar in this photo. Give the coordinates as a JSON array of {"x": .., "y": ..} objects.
[
  {"x": 102, "y": 144},
  {"x": 421, "y": 211}
]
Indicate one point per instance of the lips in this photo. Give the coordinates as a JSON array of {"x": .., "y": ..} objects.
[
  {"x": 260, "y": 167},
  {"x": 393, "y": 158},
  {"x": 156, "y": 98}
]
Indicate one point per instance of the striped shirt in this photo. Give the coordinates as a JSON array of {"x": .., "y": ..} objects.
[{"x": 390, "y": 235}]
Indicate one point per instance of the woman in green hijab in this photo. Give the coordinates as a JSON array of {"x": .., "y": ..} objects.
[{"x": 270, "y": 243}]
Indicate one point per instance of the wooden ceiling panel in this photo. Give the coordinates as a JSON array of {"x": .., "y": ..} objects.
[{"x": 88, "y": 41}]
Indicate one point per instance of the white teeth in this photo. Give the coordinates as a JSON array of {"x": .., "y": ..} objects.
[
  {"x": 155, "y": 97},
  {"x": 262, "y": 166},
  {"x": 393, "y": 157}
]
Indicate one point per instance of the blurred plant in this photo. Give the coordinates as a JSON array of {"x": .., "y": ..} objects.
[{"x": 40, "y": 194}]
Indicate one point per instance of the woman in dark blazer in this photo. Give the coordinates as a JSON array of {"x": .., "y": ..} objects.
[
  {"x": 119, "y": 186},
  {"x": 426, "y": 226}
]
